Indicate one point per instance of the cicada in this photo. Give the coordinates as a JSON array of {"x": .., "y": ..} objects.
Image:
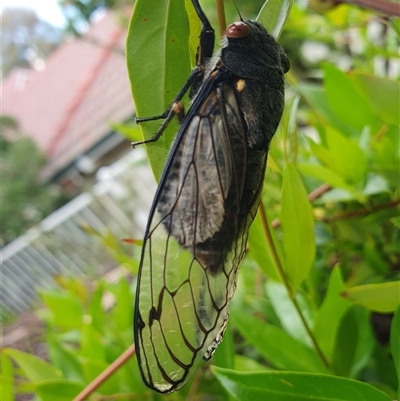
[{"x": 206, "y": 200}]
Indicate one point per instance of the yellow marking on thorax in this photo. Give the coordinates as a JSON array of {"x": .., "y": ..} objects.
[{"x": 240, "y": 84}]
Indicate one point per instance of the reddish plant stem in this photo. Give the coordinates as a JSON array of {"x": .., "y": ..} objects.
[
  {"x": 105, "y": 374},
  {"x": 384, "y": 6},
  {"x": 361, "y": 212}
]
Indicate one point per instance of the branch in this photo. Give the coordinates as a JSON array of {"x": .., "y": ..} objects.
[
  {"x": 386, "y": 7},
  {"x": 103, "y": 376},
  {"x": 361, "y": 212}
]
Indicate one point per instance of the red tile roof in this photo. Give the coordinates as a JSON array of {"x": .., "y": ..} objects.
[{"x": 67, "y": 107}]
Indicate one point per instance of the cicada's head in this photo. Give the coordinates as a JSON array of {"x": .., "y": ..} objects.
[{"x": 252, "y": 41}]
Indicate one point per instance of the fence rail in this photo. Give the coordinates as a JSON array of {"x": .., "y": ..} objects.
[{"x": 60, "y": 245}]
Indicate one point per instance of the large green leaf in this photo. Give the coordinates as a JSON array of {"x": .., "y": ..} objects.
[
  {"x": 34, "y": 368},
  {"x": 122, "y": 311},
  {"x": 382, "y": 94},
  {"x": 315, "y": 95},
  {"x": 66, "y": 309},
  {"x": 383, "y": 297},
  {"x": 345, "y": 100},
  {"x": 274, "y": 14},
  {"x": 225, "y": 355},
  {"x": 158, "y": 57},
  {"x": 354, "y": 343},
  {"x": 287, "y": 313},
  {"x": 298, "y": 227},
  {"x": 323, "y": 174},
  {"x": 277, "y": 346},
  {"x": 346, "y": 342},
  {"x": 395, "y": 344},
  {"x": 58, "y": 389},
  {"x": 289, "y": 386},
  {"x": 6, "y": 378},
  {"x": 246, "y": 364},
  {"x": 92, "y": 344},
  {"x": 347, "y": 158},
  {"x": 330, "y": 313},
  {"x": 65, "y": 359}
]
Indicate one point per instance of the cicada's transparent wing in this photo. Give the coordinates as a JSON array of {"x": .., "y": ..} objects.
[{"x": 195, "y": 241}]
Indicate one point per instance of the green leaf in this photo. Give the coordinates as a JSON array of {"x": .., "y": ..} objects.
[
  {"x": 354, "y": 343},
  {"x": 58, "y": 389},
  {"x": 158, "y": 58},
  {"x": 93, "y": 368},
  {"x": 278, "y": 347},
  {"x": 65, "y": 359},
  {"x": 323, "y": 174},
  {"x": 224, "y": 358},
  {"x": 395, "y": 344},
  {"x": 395, "y": 221},
  {"x": 65, "y": 307},
  {"x": 289, "y": 386},
  {"x": 382, "y": 94},
  {"x": 383, "y": 297},
  {"x": 298, "y": 227},
  {"x": 92, "y": 345},
  {"x": 122, "y": 311},
  {"x": 346, "y": 158},
  {"x": 34, "y": 368},
  {"x": 131, "y": 132},
  {"x": 345, "y": 100},
  {"x": 287, "y": 313},
  {"x": 244, "y": 364},
  {"x": 96, "y": 307},
  {"x": 346, "y": 342},
  {"x": 6, "y": 378},
  {"x": 330, "y": 313},
  {"x": 274, "y": 14},
  {"x": 315, "y": 95}
]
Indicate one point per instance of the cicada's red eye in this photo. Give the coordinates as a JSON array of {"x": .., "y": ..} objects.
[{"x": 237, "y": 30}]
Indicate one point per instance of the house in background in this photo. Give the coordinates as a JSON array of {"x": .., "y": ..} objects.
[{"x": 67, "y": 107}]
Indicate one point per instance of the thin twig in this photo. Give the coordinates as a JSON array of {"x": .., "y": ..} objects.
[
  {"x": 384, "y": 6},
  {"x": 361, "y": 212},
  {"x": 268, "y": 235},
  {"x": 105, "y": 374},
  {"x": 286, "y": 283},
  {"x": 221, "y": 17}
]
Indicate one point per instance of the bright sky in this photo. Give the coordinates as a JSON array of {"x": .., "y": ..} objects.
[{"x": 47, "y": 10}]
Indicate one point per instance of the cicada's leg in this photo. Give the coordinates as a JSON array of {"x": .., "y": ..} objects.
[{"x": 176, "y": 109}]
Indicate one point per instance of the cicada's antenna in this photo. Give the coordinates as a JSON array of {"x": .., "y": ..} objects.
[{"x": 237, "y": 9}]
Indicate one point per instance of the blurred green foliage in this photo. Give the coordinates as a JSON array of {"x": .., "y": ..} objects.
[
  {"x": 25, "y": 200},
  {"x": 316, "y": 312}
]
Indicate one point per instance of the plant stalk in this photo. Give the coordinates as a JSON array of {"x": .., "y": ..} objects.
[
  {"x": 286, "y": 283},
  {"x": 221, "y": 17}
]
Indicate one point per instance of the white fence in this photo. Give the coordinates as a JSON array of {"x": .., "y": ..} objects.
[{"x": 119, "y": 203}]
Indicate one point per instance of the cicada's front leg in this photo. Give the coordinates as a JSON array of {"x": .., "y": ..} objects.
[{"x": 175, "y": 109}]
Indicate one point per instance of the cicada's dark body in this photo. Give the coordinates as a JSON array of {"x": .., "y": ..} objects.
[{"x": 206, "y": 200}]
